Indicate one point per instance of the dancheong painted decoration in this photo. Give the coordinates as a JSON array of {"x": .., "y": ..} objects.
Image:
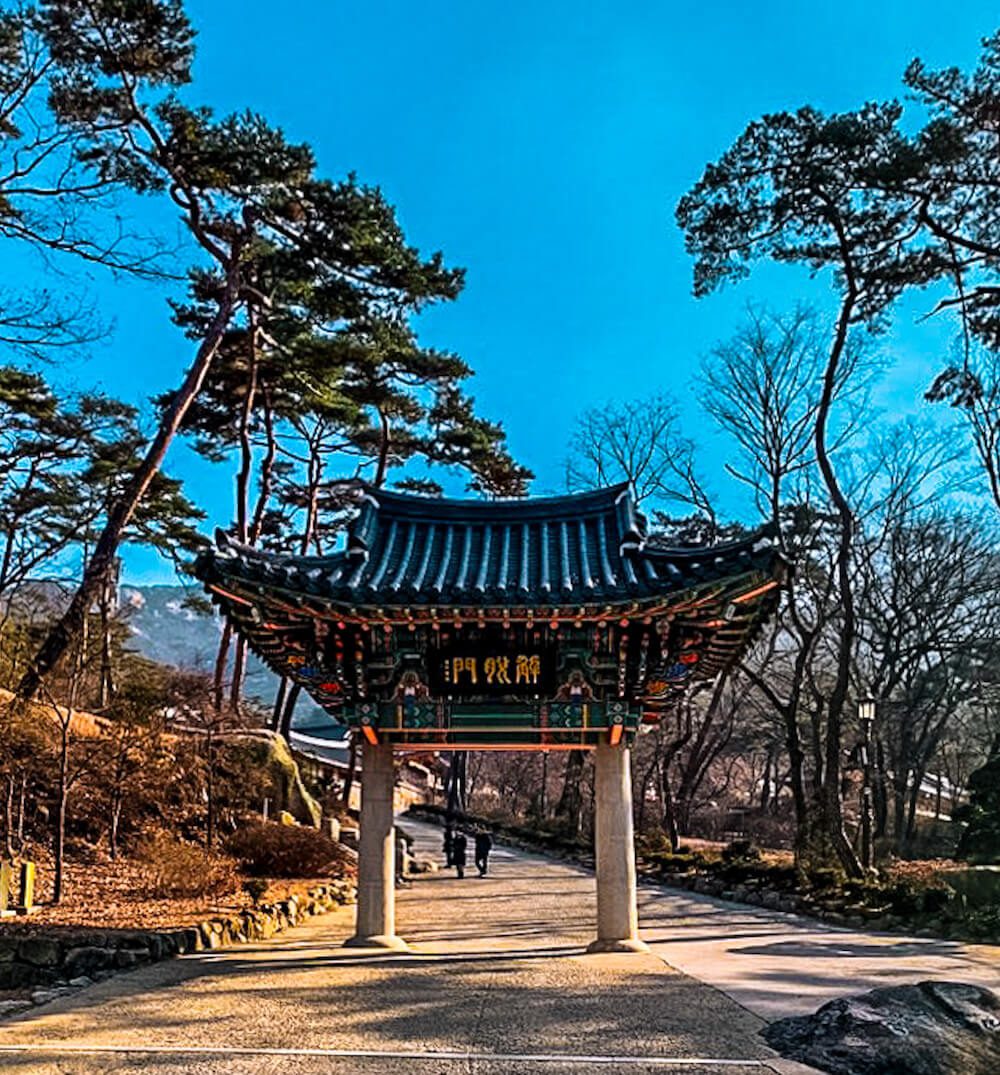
[{"x": 540, "y": 624}]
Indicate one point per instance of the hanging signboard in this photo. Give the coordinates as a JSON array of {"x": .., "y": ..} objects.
[{"x": 491, "y": 667}]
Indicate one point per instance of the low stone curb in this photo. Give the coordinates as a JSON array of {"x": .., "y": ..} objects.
[
  {"x": 859, "y": 917},
  {"x": 60, "y": 964}
]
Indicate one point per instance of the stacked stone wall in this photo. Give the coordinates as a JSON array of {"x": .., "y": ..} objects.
[{"x": 58, "y": 961}]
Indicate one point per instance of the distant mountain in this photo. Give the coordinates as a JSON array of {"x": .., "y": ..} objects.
[{"x": 165, "y": 629}]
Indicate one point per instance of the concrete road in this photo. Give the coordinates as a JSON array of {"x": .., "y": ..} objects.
[
  {"x": 782, "y": 964},
  {"x": 496, "y": 984}
]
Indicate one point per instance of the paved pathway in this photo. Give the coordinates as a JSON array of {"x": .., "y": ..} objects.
[
  {"x": 783, "y": 964},
  {"x": 496, "y": 984}
]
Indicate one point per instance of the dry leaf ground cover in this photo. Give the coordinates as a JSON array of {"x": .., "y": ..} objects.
[{"x": 110, "y": 895}]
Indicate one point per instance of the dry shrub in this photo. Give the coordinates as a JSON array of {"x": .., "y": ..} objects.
[
  {"x": 266, "y": 849},
  {"x": 175, "y": 869}
]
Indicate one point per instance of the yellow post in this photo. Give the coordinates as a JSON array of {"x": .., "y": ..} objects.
[
  {"x": 27, "y": 904},
  {"x": 6, "y": 886}
]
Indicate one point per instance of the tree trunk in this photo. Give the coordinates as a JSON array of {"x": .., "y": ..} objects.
[
  {"x": 63, "y": 795},
  {"x": 640, "y": 796},
  {"x": 880, "y": 796},
  {"x": 22, "y": 799},
  {"x": 8, "y": 829},
  {"x": 116, "y": 816},
  {"x": 243, "y": 476},
  {"x": 279, "y": 703},
  {"x": 571, "y": 799},
  {"x": 766, "y": 785},
  {"x": 911, "y": 812},
  {"x": 669, "y": 816},
  {"x": 285, "y": 727},
  {"x": 899, "y": 789},
  {"x": 266, "y": 470},
  {"x": 796, "y": 768},
  {"x": 70, "y": 625},
  {"x": 543, "y": 805},
  {"x": 221, "y": 660},
  {"x": 834, "y": 709},
  {"x": 210, "y": 789},
  {"x": 106, "y": 688},
  {"x": 352, "y": 769},
  {"x": 385, "y": 442},
  {"x": 239, "y": 670},
  {"x": 455, "y": 786}
]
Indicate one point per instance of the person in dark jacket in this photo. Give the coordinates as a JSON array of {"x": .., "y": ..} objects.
[
  {"x": 458, "y": 846},
  {"x": 484, "y": 845}
]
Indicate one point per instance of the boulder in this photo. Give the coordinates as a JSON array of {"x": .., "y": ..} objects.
[
  {"x": 42, "y": 951},
  {"x": 13, "y": 1007},
  {"x": 19, "y": 975},
  {"x": 932, "y": 1028},
  {"x": 44, "y": 996},
  {"x": 86, "y": 960}
]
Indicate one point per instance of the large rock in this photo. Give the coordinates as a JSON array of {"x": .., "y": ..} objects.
[
  {"x": 19, "y": 975},
  {"x": 42, "y": 951},
  {"x": 273, "y": 754},
  {"x": 933, "y": 1028},
  {"x": 86, "y": 960}
]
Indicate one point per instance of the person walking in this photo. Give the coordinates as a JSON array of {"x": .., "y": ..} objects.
[
  {"x": 402, "y": 857},
  {"x": 484, "y": 845},
  {"x": 458, "y": 846}
]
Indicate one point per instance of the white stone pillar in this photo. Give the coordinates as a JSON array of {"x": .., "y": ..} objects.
[
  {"x": 376, "y": 912},
  {"x": 617, "y": 913}
]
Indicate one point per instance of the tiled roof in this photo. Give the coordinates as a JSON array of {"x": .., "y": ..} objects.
[{"x": 405, "y": 550}]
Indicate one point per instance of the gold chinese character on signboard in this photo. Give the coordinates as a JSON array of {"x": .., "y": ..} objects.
[
  {"x": 528, "y": 669},
  {"x": 497, "y": 669},
  {"x": 463, "y": 666}
]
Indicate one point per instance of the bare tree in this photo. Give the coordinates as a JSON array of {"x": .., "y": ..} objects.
[{"x": 638, "y": 442}]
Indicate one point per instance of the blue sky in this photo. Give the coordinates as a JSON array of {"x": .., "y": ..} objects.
[{"x": 543, "y": 146}]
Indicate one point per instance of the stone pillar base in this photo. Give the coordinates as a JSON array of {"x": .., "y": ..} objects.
[
  {"x": 627, "y": 944},
  {"x": 379, "y": 940}
]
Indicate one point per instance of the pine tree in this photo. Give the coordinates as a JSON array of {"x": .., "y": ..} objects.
[{"x": 113, "y": 68}]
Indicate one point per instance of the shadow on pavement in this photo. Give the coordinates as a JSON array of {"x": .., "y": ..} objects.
[{"x": 849, "y": 949}]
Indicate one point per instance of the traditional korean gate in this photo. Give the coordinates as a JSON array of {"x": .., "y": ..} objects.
[{"x": 547, "y": 624}]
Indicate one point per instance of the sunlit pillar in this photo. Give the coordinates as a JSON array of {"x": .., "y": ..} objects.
[
  {"x": 376, "y": 911},
  {"x": 617, "y": 911}
]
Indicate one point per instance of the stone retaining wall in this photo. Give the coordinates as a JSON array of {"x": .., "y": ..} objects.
[{"x": 59, "y": 961}]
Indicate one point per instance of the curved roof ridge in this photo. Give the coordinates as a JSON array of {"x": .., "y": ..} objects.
[
  {"x": 391, "y": 502},
  {"x": 751, "y": 541},
  {"x": 228, "y": 544}
]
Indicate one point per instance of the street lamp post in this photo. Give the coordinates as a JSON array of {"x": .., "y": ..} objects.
[{"x": 866, "y": 717}]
